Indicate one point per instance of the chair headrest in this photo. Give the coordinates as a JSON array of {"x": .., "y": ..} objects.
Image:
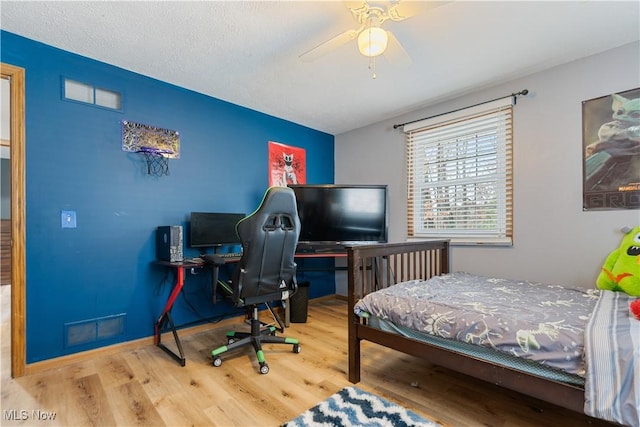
[{"x": 279, "y": 199}]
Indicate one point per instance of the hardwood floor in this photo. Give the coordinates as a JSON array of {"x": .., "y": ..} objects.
[{"x": 144, "y": 386}]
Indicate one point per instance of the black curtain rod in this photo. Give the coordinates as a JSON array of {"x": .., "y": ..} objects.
[{"x": 514, "y": 95}]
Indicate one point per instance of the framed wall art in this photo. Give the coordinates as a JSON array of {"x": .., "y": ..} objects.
[
  {"x": 287, "y": 165},
  {"x": 611, "y": 151}
]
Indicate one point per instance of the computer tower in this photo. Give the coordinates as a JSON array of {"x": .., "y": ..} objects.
[{"x": 169, "y": 243}]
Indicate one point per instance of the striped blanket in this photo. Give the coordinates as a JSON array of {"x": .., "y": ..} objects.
[{"x": 612, "y": 356}]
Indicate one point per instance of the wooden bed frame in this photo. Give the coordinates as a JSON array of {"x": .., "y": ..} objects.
[{"x": 372, "y": 267}]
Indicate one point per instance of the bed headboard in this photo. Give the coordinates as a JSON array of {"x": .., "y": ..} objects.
[{"x": 373, "y": 267}]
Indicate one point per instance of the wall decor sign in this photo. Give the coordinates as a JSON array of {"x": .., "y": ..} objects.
[
  {"x": 287, "y": 165},
  {"x": 611, "y": 151},
  {"x": 138, "y": 137}
]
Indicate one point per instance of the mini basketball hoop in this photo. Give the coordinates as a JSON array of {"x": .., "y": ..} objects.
[{"x": 157, "y": 160}]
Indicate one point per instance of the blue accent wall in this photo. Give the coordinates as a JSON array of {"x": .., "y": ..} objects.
[{"x": 74, "y": 162}]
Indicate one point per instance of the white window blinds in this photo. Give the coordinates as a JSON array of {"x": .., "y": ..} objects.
[{"x": 459, "y": 168}]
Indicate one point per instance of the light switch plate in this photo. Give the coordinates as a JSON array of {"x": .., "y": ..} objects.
[{"x": 68, "y": 219}]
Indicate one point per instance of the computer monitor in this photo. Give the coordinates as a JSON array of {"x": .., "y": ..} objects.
[{"x": 214, "y": 229}]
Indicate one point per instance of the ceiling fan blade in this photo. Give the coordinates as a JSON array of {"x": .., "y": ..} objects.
[
  {"x": 357, "y": 8},
  {"x": 403, "y": 10},
  {"x": 395, "y": 53},
  {"x": 329, "y": 45}
]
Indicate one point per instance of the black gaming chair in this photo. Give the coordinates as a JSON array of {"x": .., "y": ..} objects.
[{"x": 266, "y": 272}]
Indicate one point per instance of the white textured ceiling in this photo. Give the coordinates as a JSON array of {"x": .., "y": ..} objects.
[{"x": 246, "y": 52}]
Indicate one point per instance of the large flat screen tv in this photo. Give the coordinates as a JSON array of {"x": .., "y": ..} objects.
[
  {"x": 335, "y": 214},
  {"x": 212, "y": 229}
]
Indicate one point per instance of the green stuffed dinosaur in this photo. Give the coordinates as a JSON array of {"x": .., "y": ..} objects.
[{"x": 621, "y": 270}]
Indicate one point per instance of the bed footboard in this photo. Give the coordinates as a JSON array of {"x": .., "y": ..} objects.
[{"x": 373, "y": 267}]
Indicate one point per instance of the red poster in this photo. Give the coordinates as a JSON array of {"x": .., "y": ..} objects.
[{"x": 287, "y": 165}]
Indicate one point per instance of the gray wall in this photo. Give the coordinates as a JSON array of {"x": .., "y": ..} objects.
[{"x": 555, "y": 241}]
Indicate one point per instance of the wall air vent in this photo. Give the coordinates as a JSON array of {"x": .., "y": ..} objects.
[{"x": 92, "y": 330}]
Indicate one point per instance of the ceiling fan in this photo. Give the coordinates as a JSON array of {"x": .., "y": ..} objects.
[{"x": 372, "y": 39}]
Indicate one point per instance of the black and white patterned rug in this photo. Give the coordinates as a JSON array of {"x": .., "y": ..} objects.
[{"x": 354, "y": 407}]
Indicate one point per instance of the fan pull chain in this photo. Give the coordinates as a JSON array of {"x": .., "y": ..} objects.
[
  {"x": 372, "y": 66},
  {"x": 372, "y": 59}
]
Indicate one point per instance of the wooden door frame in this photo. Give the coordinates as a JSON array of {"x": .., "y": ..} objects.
[{"x": 16, "y": 75}]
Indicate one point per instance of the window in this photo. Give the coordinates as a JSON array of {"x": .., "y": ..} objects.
[
  {"x": 82, "y": 92},
  {"x": 459, "y": 168}
]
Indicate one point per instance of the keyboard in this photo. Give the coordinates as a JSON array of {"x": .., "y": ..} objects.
[{"x": 230, "y": 255}]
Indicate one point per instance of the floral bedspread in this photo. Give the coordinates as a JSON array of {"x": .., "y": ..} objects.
[{"x": 541, "y": 322}]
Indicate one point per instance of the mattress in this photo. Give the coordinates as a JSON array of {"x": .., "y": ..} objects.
[
  {"x": 489, "y": 355},
  {"x": 511, "y": 319}
]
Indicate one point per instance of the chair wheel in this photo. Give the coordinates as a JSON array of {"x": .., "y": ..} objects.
[
  {"x": 231, "y": 340},
  {"x": 217, "y": 362},
  {"x": 296, "y": 348},
  {"x": 264, "y": 368}
]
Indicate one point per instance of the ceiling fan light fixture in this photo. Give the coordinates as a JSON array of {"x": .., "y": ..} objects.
[{"x": 372, "y": 41}]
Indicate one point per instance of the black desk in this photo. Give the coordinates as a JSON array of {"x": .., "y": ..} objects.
[{"x": 165, "y": 321}]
